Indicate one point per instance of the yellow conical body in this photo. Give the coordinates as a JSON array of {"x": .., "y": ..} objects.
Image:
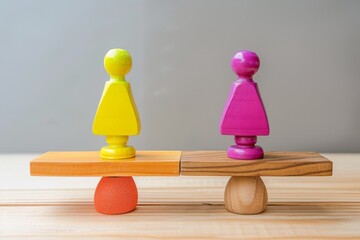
[{"x": 117, "y": 113}]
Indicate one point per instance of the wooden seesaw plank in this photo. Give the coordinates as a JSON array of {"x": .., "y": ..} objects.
[
  {"x": 217, "y": 163},
  {"x": 145, "y": 163}
]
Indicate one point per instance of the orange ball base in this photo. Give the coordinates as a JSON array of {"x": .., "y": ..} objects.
[{"x": 116, "y": 195}]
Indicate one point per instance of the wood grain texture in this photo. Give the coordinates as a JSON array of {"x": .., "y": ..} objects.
[
  {"x": 216, "y": 163},
  {"x": 245, "y": 195},
  {"x": 163, "y": 221},
  {"x": 145, "y": 163}
]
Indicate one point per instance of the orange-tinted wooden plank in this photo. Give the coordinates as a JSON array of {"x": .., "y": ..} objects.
[
  {"x": 217, "y": 163},
  {"x": 146, "y": 163}
]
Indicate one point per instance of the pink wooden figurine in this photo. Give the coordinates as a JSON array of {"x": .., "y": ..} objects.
[{"x": 244, "y": 114}]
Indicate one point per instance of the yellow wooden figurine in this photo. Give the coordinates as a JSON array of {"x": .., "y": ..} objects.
[{"x": 117, "y": 116}]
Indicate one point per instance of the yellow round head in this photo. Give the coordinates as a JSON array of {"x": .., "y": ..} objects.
[{"x": 117, "y": 62}]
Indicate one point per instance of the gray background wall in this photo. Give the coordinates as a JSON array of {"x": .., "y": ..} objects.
[{"x": 52, "y": 73}]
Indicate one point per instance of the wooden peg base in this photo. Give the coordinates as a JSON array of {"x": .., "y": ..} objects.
[
  {"x": 245, "y": 153},
  {"x": 116, "y": 195},
  {"x": 117, "y": 148},
  {"x": 245, "y": 195},
  {"x": 117, "y": 152}
]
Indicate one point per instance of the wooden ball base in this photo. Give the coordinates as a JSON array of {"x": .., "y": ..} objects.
[
  {"x": 245, "y": 195},
  {"x": 116, "y": 195}
]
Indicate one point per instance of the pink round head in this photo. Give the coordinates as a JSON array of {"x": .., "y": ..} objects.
[{"x": 245, "y": 64}]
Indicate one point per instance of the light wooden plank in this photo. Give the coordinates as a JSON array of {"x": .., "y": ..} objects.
[
  {"x": 146, "y": 163},
  {"x": 183, "y": 221},
  {"x": 217, "y": 163}
]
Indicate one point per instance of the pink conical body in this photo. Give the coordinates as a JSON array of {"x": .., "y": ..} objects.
[{"x": 244, "y": 113}]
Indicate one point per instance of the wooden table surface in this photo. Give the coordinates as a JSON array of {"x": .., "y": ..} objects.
[{"x": 179, "y": 207}]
